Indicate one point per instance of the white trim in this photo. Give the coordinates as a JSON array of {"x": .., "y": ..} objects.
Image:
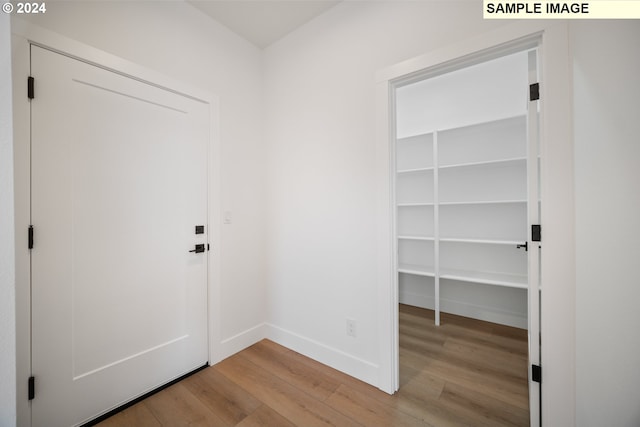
[
  {"x": 558, "y": 258},
  {"x": 499, "y": 41},
  {"x": 387, "y": 247},
  {"x": 359, "y": 368},
  {"x": 7, "y": 234},
  {"x": 558, "y": 279},
  {"x": 436, "y": 231},
  {"x": 242, "y": 340},
  {"x": 533, "y": 255},
  {"x": 21, "y": 135},
  {"x": 23, "y": 35},
  {"x": 86, "y": 53}
]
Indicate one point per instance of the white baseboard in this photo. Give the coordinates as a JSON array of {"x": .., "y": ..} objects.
[
  {"x": 337, "y": 359},
  {"x": 489, "y": 314},
  {"x": 238, "y": 342},
  {"x": 417, "y": 300}
]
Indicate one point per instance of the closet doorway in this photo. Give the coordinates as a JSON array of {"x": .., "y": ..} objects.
[{"x": 466, "y": 210}]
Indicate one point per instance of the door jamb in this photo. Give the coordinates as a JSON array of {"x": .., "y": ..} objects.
[{"x": 25, "y": 34}]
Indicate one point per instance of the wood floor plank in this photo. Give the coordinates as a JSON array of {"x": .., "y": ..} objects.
[
  {"x": 423, "y": 345},
  {"x": 291, "y": 402},
  {"x": 412, "y": 400},
  {"x": 176, "y": 406},
  {"x": 485, "y": 410},
  {"x": 513, "y": 364},
  {"x": 421, "y": 325},
  {"x": 368, "y": 411},
  {"x": 507, "y": 389},
  {"x": 499, "y": 386},
  {"x": 137, "y": 415},
  {"x": 428, "y": 388},
  {"x": 333, "y": 374},
  {"x": 312, "y": 381},
  {"x": 488, "y": 334},
  {"x": 424, "y": 384},
  {"x": 265, "y": 416},
  {"x": 223, "y": 397},
  {"x": 418, "y": 399}
]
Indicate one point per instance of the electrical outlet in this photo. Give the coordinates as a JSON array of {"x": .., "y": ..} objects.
[{"x": 351, "y": 327}]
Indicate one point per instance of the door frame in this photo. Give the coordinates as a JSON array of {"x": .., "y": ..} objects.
[
  {"x": 558, "y": 277},
  {"x": 24, "y": 35}
]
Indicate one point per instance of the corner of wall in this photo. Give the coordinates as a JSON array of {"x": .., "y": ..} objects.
[{"x": 7, "y": 236}]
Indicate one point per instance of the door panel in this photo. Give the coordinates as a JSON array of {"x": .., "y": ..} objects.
[
  {"x": 119, "y": 181},
  {"x": 534, "y": 207}
]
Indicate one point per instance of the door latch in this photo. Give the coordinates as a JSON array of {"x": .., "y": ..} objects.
[
  {"x": 199, "y": 248},
  {"x": 525, "y": 246}
]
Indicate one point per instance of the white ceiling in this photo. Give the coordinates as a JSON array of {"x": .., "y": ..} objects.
[{"x": 263, "y": 22}]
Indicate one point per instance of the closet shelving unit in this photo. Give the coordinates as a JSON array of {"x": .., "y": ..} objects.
[{"x": 461, "y": 205}]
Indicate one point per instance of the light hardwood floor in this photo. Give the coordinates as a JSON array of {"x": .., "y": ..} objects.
[{"x": 463, "y": 373}]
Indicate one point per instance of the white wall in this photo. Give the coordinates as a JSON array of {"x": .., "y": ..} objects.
[
  {"x": 179, "y": 41},
  {"x": 7, "y": 250},
  {"x": 320, "y": 130},
  {"x": 606, "y": 65}
]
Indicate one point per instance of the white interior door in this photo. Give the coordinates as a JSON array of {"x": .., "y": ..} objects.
[
  {"x": 534, "y": 206},
  {"x": 118, "y": 184}
]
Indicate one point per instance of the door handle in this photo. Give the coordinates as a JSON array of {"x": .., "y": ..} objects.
[
  {"x": 525, "y": 246},
  {"x": 199, "y": 248}
]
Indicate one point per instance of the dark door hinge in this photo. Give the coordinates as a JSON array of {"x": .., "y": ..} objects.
[
  {"x": 535, "y": 233},
  {"x": 30, "y": 87},
  {"x": 30, "y": 237},
  {"x": 536, "y": 373},
  {"x": 534, "y": 92},
  {"x": 32, "y": 388}
]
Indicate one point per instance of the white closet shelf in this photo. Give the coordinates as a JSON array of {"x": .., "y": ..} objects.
[
  {"x": 418, "y": 270},
  {"x": 414, "y": 170},
  {"x": 482, "y": 202},
  {"x": 413, "y": 137},
  {"x": 405, "y": 205},
  {"x": 482, "y": 241},
  {"x": 498, "y": 279},
  {"x": 514, "y": 160},
  {"x": 414, "y": 237},
  {"x": 472, "y": 124}
]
